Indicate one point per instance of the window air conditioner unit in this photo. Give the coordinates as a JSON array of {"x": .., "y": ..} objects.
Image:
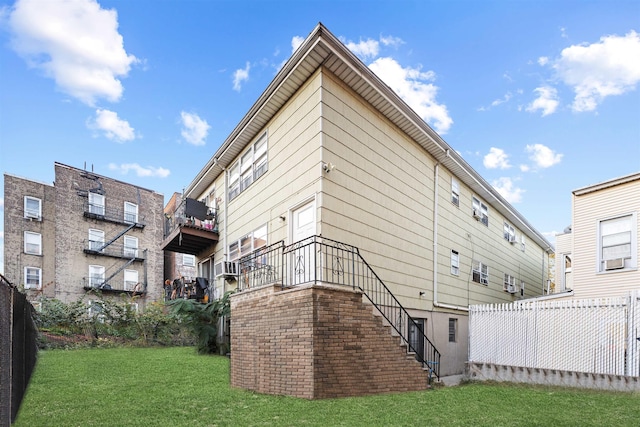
[
  {"x": 512, "y": 239},
  {"x": 614, "y": 264},
  {"x": 226, "y": 268},
  {"x": 511, "y": 288},
  {"x": 477, "y": 214}
]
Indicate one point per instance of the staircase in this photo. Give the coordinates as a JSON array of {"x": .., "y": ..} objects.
[{"x": 320, "y": 260}]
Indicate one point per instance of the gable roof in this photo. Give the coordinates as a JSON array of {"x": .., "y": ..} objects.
[{"x": 322, "y": 49}]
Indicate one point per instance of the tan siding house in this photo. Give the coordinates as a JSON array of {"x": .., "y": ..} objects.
[
  {"x": 345, "y": 158},
  {"x": 603, "y": 241}
]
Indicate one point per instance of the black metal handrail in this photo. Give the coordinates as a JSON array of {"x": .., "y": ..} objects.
[
  {"x": 318, "y": 259},
  {"x": 94, "y": 247},
  {"x": 204, "y": 219},
  {"x": 261, "y": 267},
  {"x": 110, "y": 214}
]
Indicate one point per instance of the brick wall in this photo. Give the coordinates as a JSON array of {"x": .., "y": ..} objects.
[{"x": 316, "y": 342}]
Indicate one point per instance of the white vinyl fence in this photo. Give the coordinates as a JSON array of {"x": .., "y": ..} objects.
[{"x": 594, "y": 336}]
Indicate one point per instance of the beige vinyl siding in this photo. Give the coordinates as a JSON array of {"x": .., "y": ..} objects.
[
  {"x": 379, "y": 197},
  {"x": 293, "y": 152},
  {"x": 588, "y": 210},
  {"x": 458, "y": 230}
]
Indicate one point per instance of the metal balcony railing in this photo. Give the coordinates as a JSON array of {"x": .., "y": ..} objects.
[
  {"x": 98, "y": 283},
  {"x": 111, "y": 214},
  {"x": 318, "y": 259},
  {"x": 94, "y": 247}
]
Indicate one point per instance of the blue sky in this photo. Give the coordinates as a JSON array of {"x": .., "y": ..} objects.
[{"x": 540, "y": 97}]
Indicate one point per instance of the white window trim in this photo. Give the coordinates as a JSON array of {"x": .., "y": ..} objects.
[
  {"x": 484, "y": 277},
  {"x": 508, "y": 280},
  {"x": 127, "y": 283},
  {"x": 97, "y": 207},
  {"x": 101, "y": 276},
  {"x": 455, "y": 263},
  {"x": 95, "y": 236},
  {"x": 38, "y": 237},
  {"x": 26, "y": 275},
  {"x": 126, "y": 214},
  {"x": 252, "y": 240},
  {"x": 508, "y": 232},
  {"x": 189, "y": 260},
  {"x": 29, "y": 213},
  {"x": 477, "y": 204},
  {"x": 249, "y": 167},
  {"x": 129, "y": 249},
  {"x": 629, "y": 263},
  {"x": 455, "y": 192}
]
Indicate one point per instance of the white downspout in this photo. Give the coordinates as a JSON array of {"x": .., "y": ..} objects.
[{"x": 435, "y": 245}]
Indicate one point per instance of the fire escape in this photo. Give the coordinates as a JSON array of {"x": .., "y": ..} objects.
[{"x": 95, "y": 208}]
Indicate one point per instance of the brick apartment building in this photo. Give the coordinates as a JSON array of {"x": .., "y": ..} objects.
[{"x": 84, "y": 232}]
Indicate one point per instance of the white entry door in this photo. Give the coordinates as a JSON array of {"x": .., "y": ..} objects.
[{"x": 302, "y": 259}]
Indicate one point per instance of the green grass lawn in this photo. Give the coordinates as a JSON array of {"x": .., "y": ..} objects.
[{"x": 177, "y": 387}]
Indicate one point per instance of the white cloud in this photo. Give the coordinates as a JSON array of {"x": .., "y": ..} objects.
[
  {"x": 148, "y": 171},
  {"x": 496, "y": 159},
  {"x": 595, "y": 71},
  {"x": 414, "y": 87},
  {"x": 547, "y": 101},
  {"x": 391, "y": 41},
  {"x": 195, "y": 129},
  {"x": 543, "y": 156},
  {"x": 239, "y": 76},
  {"x": 365, "y": 48},
  {"x": 543, "y": 60},
  {"x": 113, "y": 127},
  {"x": 76, "y": 43},
  {"x": 506, "y": 188},
  {"x": 296, "y": 41},
  {"x": 525, "y": 168}
]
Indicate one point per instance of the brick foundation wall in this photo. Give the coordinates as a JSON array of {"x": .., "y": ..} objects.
[{"x": 316, "y": 341}]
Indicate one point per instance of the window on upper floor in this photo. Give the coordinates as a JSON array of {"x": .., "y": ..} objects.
[
  {"x": 251, "y": 166},
  {"x": 480, "y": 273},
  {"x": 617, "y": 243},
  {"x": 96, "y": 275},
  {"x": 455, "y": 263},
  {"x": 96, "y": 203},
  {"x": 130, "y": 247},
  {"x": 509, "y": 233},
  {"x": 32, "y": 243},
  {"x": 130, "y": 280},
  {"x": 189, "y": 260},
  {"x": 509, "y": 283},
  {"x": 96, "y": 239},
  {"x": 455, "y": 192},
  {"x": 480, "y": 211},
  {"x": 32, "y": 208},
  {"x": 523, "y": 243},
  {"x": 130, "y": 213},
  {"x": 32, "y": 278}
]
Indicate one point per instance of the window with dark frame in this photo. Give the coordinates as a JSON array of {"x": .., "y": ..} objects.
[{"x": 453, "y": 329}]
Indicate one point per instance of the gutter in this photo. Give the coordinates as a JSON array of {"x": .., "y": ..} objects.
[{"x": 435, "y": 247}]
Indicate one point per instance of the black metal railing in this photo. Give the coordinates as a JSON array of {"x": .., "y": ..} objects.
[
  {"x": 116, "y": 250},
  {"x": 98, "y": 283},
  {"x": 191, "y": 213},
  {"x": 263, "y": 266},
  {"x": 318, "y": 259},
  {"x": 111, "y": 214}
]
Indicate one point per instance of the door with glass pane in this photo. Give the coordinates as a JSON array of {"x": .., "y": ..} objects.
[{"x": 302, "y": 258}]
